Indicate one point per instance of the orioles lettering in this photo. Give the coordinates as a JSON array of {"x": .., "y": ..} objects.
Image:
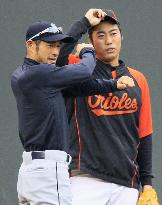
[{"x": 112, "y": 105}]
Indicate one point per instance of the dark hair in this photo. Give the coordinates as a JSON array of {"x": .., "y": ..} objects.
[
  {"x": 110, "y": 21},
  {"x": 37, "y": 42}
]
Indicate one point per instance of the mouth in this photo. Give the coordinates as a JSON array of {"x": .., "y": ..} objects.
[
  {"x": 52, "y": 60},
  {"x": 110, "y": 50}
]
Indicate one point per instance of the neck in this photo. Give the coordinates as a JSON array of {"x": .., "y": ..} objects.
[
  {"x": 112, "y": 63},
  {"x": 31, "y": 57}
]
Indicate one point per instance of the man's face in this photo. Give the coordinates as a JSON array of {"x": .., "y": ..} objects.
[
  {"x": 106, "y": 39},
  {"x": 46, "y": 52}
]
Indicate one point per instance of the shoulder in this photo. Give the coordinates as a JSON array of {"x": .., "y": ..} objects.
[
  {"x": 136, "y": 74},
  {"x": 41, "y": 69},
  {"x": 139, "y": 77},
  {"x": 17, "y": 74}
]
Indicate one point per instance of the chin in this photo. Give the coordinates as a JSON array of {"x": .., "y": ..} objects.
[
  {"x": 52, "y": 62},
  {"x": 110, "y": 58}
]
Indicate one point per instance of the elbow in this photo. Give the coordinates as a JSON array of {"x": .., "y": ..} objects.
[
  {"x": 90, "y": 66},
  {"x": 89, "y": 72},
  {"x": 90, "y": 69},
  {"x": 87, "y": 65}
]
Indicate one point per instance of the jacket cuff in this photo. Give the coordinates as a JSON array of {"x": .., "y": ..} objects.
[
  {"x": 85, "y": 24},
  {"x": 146, "y": 180},
  {"x": 85, "y": 50},
  {"x": 85, "y": 21}
]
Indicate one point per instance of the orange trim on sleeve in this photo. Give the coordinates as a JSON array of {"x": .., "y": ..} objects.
[
  {"x": 113, "y": 74},
  {"x": 145, "y": 121},
  {"x": 72, "y": 59},
  {"x": 78, "y": 132}
]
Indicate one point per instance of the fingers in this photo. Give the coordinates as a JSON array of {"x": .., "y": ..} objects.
[
  {"x": 80, "y": 46},
  {"x": 121, "y": 86},
  {"x": 99, "y": 13},
  {"x": 94, "y": 16},
  {"x": 125, "y": 82}
]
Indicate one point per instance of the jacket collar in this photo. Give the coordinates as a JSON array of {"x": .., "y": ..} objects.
[
  {"x": 30, "y": 61},
  {"x": 108, "y": 67}
]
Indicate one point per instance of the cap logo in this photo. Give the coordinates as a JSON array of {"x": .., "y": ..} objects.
[{"x": 52, "y": 29}]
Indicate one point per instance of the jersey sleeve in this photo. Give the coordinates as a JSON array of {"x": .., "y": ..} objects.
[
  {"x": 59, "y": 78},
  {"x": 145, "y": 118}
]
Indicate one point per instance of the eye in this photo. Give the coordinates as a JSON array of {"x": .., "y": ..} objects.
[
  {"x": 50, "y": 45},
  {"x": 113, "y": 33},
  {"x": 58, "y": 45},
  {"x": 101, "y": 35}
]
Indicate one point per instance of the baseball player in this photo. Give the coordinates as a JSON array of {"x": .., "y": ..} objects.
[
  {"x": 111, "y": 134},
  {"x": 43, "y": 128}
]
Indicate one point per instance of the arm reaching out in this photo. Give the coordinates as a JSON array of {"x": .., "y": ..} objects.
[
  {"x": 78, "y": 28},
  {"x": 125, "y": 82}
]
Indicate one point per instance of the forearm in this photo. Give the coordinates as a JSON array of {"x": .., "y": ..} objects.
[
  {"x": 145, "y": 160},
  {"x": 92, "y": 87},
  {"x": 77, "y": 29}
]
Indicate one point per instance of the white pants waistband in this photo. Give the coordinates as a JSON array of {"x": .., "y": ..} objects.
[{"x": 55, "y": 155}]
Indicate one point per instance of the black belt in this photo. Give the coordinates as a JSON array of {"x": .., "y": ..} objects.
[
  {"x": 38, "y": 155},
  {"x": 41, "y": 155}
]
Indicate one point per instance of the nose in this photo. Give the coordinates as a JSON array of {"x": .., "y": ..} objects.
[
  {"x": 55, "y": 51},
  {"x": 108, "y": 40}
]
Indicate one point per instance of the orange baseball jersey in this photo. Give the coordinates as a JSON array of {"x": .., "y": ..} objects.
[
  {"x": 113, "y": 124},
  {"x": 145, "y": 121}
]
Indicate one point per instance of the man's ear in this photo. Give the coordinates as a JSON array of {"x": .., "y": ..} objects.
[
  {"x": 122, "y": 37},
  {"x": 29, "y": 44}
]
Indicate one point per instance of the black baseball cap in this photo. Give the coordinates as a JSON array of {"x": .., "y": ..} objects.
[
  {"x": 110, "y": 17},
  {"x": 46, "y": 31}
]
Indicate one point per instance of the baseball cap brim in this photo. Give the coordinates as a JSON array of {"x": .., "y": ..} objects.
[{"x": 56, "y": 37}]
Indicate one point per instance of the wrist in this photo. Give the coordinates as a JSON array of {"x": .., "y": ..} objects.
[
  {"x": 85, "y": 50},
  {"x": 86, "y": 22},
  {"x": 146, "y": 188}
]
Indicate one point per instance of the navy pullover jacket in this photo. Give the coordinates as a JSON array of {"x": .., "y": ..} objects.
[{"x": 41, "y": 109}]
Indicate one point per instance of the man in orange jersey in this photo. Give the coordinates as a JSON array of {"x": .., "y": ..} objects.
[{"x": 111, "y": 134}]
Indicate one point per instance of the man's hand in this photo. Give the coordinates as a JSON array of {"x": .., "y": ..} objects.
[
  {"x": 125, "y": 82},
  {"x": 80, "y": 46},
  {"x": 146, "y": 187},
  {"x": 148, "y": 197},
  {"x": 94, "y": 16}
]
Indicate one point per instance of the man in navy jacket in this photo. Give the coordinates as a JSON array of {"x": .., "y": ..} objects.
[{"x": 43, "y": 128}]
